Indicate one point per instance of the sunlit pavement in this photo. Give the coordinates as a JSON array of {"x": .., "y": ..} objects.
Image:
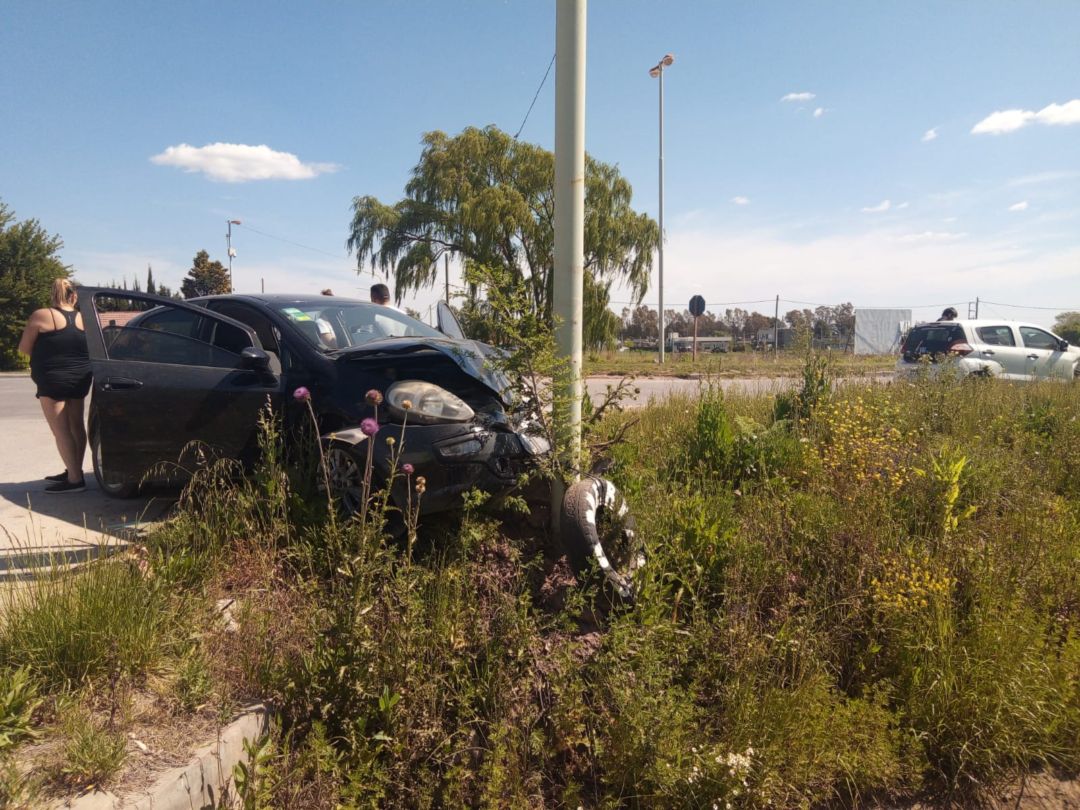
[{"x": 34, "y": 526}]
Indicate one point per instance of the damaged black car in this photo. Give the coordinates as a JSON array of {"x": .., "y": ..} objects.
[{"x": 170, "y": 373}]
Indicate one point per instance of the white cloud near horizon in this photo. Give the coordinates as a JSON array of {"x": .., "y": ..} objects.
[
  {"x": 1003, "y": 121},
  {"x": 878, "y": 268},
  {"x": 1020, "y": 206},
  {"x": 818, "y": 112},
  {"x": 240, "y": 163},
  {"x": 929, "y": 135},
  {"x": 884, "y": 205},
  {"x": 799, "y": 97},
  {"x": 740, "y": 200}
]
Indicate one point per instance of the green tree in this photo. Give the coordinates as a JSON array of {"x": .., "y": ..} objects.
[
  {"x": 485, "y": 197},
  {"x": 29, "y": 263},
  {"x": 1067, "y": 325},
  {"x": 150, "y": 288},
  {"x": 205, "y": 277}
]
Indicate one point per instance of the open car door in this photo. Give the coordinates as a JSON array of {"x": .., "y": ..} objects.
[
  {"x": 448, "y": 322},
  {"x": 173, "y": 384}
]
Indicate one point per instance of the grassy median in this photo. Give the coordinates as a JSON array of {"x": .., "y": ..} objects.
[{"x": 853, "y": 595}]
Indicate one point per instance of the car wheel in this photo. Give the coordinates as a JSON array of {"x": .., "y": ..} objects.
[
  {"x": 112, "y": 483},
  {"x": 597, "y": 526},
  {"x": 345, "y": 470}
]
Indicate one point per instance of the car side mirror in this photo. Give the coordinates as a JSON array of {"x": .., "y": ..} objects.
[
  {"x": 254, "y": 359},
  {"x": 1063, "y": 345}
]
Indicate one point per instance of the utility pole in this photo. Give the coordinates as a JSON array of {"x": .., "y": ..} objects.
[
  {"x": 230, "y": 251},
  {"x": 446, "y": 274},
  {"x": 657, "y": 72},
  {"x": 570, "y": 19},
  {"x": 776, "y": 329}
]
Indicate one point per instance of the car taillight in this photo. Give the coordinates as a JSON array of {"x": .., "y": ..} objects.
[{"x": 960, "y": 348}]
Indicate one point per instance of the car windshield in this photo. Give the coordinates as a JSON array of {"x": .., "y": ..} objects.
[{"x": 333, "y": 325}]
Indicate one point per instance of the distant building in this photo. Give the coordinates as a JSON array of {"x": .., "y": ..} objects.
[{"x": 785, "y": 337}]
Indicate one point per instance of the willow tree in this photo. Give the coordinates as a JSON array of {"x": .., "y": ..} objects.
[{"x": 484, "y": 197}]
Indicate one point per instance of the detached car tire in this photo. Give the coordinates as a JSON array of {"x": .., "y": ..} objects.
[
  {"x": 112, "y": 484},
  {"x": 597, "y": 526}
]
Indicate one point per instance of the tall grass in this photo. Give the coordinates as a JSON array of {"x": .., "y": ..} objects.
[{"x": 855, "y": 595}]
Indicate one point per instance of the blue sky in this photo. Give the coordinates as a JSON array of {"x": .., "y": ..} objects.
[{"x": 928, "y": 152}]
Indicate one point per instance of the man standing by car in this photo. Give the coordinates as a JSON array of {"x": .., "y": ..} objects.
[{"x": 948, "y": 315}]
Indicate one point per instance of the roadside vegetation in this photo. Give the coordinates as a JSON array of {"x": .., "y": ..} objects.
[
  {"x": 749, "y": 363},
  {"x": 854, "y": 596}
]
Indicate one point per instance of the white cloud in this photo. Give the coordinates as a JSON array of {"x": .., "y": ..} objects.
[
  {"x": 930, "y": 135},
  {"x": 239, "y": 163},
  {"x": 741, "y": 200},
  {"x": 799, "y": 97},
  {"x": 884, "y": 205},
  {"x": 1060, "y": 114},
  {"x": 875, "y": 268},
  {"x": 1003, "y": 121},
  {"x": 820, "y": 111},
  {"x": 931, "y": 236},
  {"x": 902, "y": 206},
  {"x": 1020, "y": 206},
  {"x": 1043, "y": 177}
]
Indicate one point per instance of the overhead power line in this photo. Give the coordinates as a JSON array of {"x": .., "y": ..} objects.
[
  {"x": 535, "y": 97},
  {"x": 295, "y": 244}
]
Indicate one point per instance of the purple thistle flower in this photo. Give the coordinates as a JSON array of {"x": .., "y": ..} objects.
[
  {"x": 374, "y": 397},
  {"x": 369, "y": 427},
  {"x": 301, "y": 394},
  {"x": 407, "y": 468}
]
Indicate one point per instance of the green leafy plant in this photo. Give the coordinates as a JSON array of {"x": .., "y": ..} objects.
[{"x": 18, "y": 702}]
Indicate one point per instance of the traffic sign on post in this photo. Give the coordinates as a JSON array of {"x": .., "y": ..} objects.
[{"x": 697, "y": 309}]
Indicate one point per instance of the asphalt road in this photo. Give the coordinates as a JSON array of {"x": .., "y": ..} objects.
[{"x": 30, "y": 518}]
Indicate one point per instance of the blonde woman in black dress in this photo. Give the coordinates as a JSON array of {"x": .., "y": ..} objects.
[{"x": 55, "y": 341}]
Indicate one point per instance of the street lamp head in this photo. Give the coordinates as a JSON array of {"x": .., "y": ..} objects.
[
  {"x": 235, "y": 222},
  {"x": 668, "y": 59},
  {"x": 654, "y": 72}
]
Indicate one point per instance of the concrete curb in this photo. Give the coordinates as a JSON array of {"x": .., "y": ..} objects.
[{"x": 205, "y": 783}]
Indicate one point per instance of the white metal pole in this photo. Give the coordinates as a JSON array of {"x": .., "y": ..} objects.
[
  {"x": 228, "y": 250},
  {"x": 570, "y": 19},
  {"x": 661, "y": 252}
]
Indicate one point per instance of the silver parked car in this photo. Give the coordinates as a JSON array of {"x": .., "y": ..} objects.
[{"x": 1010, "y": 350}]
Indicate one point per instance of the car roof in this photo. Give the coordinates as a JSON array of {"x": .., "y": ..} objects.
[
  {"x": 278, "y": 299},
  {"x": 982, "y": 322}
]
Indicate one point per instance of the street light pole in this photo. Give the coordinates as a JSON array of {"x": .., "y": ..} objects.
[
  {"x": 657, "y": 72},
  {"x": 230, "y": 251}
]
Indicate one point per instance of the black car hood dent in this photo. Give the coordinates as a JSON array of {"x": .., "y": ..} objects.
[{"x": 469, "y": 355}]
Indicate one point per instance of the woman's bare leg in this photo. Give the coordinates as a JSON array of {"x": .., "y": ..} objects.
[
  {"x": 65, "y": 443},
  {"x": 74, "y": 411}
]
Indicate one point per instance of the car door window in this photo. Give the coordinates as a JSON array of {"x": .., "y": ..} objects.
[
  {"x": 268, "y": 334},
  {"x": 135, "y": 329},
  {"x": 996, "y": 335},
  {"x": 1038, "y": 339}
]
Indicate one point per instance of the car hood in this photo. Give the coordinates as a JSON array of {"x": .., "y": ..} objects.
[{"x": 471, "y": 356}]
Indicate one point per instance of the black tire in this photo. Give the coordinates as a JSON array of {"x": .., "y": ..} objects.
[
  {"x": 345, "y": 469},
  {"x": 113, "y": 484},
  {"x": 596, "y": 526}
]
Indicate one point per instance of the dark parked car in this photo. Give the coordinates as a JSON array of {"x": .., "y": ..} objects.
[{"x": 167, "y": 373}]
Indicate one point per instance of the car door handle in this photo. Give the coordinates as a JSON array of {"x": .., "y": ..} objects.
[
  {"x": 1033, "y": 357},
  {"x": 988, "y": 352},
  {"x": 122, "y": 384}
]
